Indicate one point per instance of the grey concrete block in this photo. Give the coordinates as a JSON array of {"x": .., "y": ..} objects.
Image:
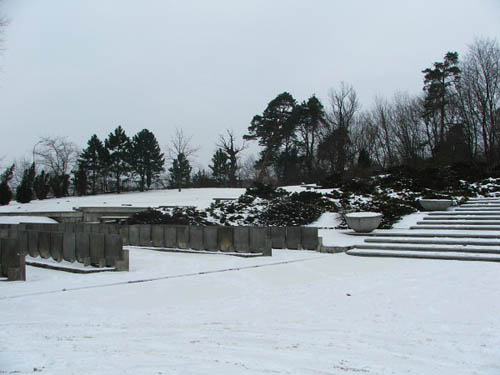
[
  {"x": 260, "y": 240},
  {"x": 96, "y": 228},
  {"x": 293, "y": 238},
  {"x": 30, "y": 226},
  {"x": 22, "y": 237},
  {"x": 124, "y": 235},
  {"x": 33, "y": 244},
  {"x": 158, "y": 235},
  {"x": 69, "y": 227},
  {"x": 80, "y": 228},
  {"x": 112, "y": 249},
  {"x": 225, "y": 239},
  {"x": 123, "y": 264},
  {"x": 13, "y": 262},
  {"x": 182, "y": 232},
  {"x": 12, "y": 233},
  {"x": 69, "y": 246},
  {"x": 145, "y": 234},
  {"x": 56, "y": 246},
  {"x": 82, "y": 246},
  {"x": 210, "y": 238},
  {"x": 44, "y": 244},
  {"x": 133, "y": 235},
  {"x": 170, "y": 236},
  {"x": 196, "y": 238},
  {"x": 309, "y": 238},
  {"x": 278, "y": 237},
  {"x": 112, "y": 228},
  {"x": 241, "y": 239},
  {"x": 97, "y": 246}
]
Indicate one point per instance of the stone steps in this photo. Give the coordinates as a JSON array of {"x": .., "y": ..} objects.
[
  {"x": 425, "y": 255},
  {"x": 419, "y": 241},
  {"x": 463, "y": 213},
  {"x": 457, "y": 227},
  {"x": 429, "y": 235},
  {"x": 432, "y": 248},
  {"x": 458, "y": 222},
  {"x": 456, "y": 235},
  {"x": 461, "y": 217}
]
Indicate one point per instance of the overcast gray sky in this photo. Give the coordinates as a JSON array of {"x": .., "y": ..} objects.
[{"x": 79, "y": 67}]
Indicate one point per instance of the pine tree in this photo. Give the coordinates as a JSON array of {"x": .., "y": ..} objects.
[
  {"x": 274, "y": 129},
  {"x": 311, "y": 122},
  {"x": 59, "y": 183},
  {"x": 147, "y": 159},
  {"x": 24, "y": 192},
  {"x": 180, "y": 172},
  {"x": 41, "y": 185},
  {"x": 5, "y": 192},
  {"x": 80, "y": 180},
  {"x": 94, "y": 160},
  {"x": 439, "y": 87},
  {"x": 220, "y": 167},
  {"x": 118, "y": 145}
]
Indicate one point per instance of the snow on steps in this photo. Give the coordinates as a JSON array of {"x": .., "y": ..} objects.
[
  {"x": 462, "y": 242},
  {"x": 425, "y": 255}
]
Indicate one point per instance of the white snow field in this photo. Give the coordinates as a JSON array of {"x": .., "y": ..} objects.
[
  {"x": 318, "y": 314},
  {"x": 298, "y": 312},
  {"x": 200, "y": 198}
]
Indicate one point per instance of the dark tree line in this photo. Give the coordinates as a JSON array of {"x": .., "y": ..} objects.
[
  {"x": 455, "y": 120},
  {"x": 107, "y": 166}
]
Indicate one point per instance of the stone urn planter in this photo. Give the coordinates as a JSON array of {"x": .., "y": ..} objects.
[
  {"x": 435, "y": 204},
  {"x": 363, "y": 222}
]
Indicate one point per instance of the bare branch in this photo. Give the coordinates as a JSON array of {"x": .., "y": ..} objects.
[
  {"x": 180, "y": 143},
  {"x": 57, "y": 154}
]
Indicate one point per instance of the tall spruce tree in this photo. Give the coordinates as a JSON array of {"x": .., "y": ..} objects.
[
  {"x": 94, "y": 161},
  {"x": 274, "y": 129},
  {"x": 80, "y": 179},
  {"x": 220, "y": 167},
  {"x": 147, "y": 159},
  {"x": 180, "y": 172},
  {"x": 41, "y": 185},
  {"x": 24, "y": 192},
  {"x": 311, "y": 122},
  {"x": 118, "y": 145},
  {"x": 440, "y": 88}
]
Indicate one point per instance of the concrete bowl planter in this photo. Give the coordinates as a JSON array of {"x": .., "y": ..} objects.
[
  {"x": 435, "y": 204},
  {"x": 363, "y": 222}
]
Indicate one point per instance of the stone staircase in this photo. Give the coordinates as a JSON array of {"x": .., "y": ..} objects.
[{"x": 469, "y": 232}]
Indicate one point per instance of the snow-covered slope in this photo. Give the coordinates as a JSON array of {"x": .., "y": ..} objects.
[{"x": 200, "y": 198}]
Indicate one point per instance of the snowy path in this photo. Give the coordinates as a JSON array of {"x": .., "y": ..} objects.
[{"x": 331, "y": 314}]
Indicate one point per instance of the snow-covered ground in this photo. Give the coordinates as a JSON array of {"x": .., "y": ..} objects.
[
  {"x": 200, "y": 198},
  {"x": 299, "y": 312},
  {"x": 318, "y": 314}
]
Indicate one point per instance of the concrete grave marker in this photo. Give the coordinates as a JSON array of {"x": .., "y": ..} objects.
[
  {"x": 69, "y": 246},
  {"x": 196, "y": 238},
  {"x": 56, "y": 246},
  {"x": 170, "y": 236},
  {"x": 44, "y": 244}
]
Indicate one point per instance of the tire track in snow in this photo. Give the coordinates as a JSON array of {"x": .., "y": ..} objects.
[{"x": 139, "y": 281}]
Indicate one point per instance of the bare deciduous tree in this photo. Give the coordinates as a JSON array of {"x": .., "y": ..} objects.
[
  {"x": 334, "y": 148},
  {"x": 479, "y": 95},
  {"x": 228, "y": 144},
  {"x": 180, "y": 143},
  {"x": 57, "y": 154}
]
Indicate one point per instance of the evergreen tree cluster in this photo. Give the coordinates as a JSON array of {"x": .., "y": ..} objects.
[{"x": 118, "y": 162}]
